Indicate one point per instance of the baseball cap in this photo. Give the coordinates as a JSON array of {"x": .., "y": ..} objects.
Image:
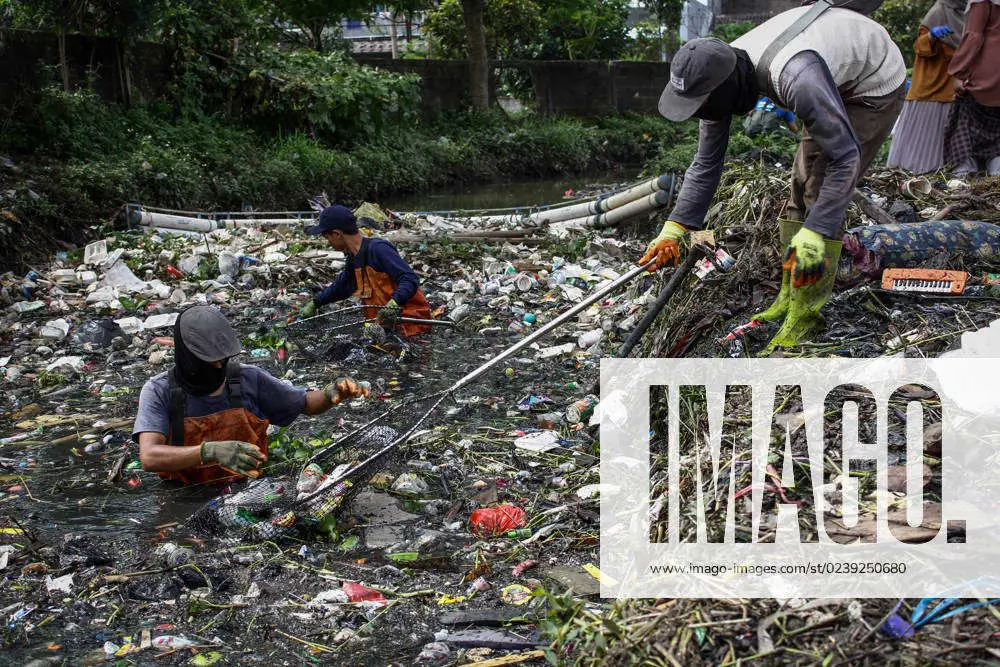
[
  {"x": 335, "y": 217},
  {"x": 208, "y": 335},
  {"x": 696, "y": 70}
]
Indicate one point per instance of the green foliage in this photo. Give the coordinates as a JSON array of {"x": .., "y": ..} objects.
[
  {"x": 652, "y": 41},
  {"x": 266, "y": 341},
  {"x": 514, "y": 29},
  {"x": 88, "y": 157},
  {"x": 574, "y": 630},
  {"x": 312, "y": 18},
  {"x": 210, "y": 42},
  {"x": 901, "y": 18},
  {"x": 666, "y": 12},
  {"x": 329, "y": 94},
  {"x": 285, "y": 447},
  {"x": 585, "y": 30},
  {"x": 558, "y": 30},
  {"x": 727, "y": 32},
  {"x": 49, "y": 380},
  {"x": 678, "y": 148}
]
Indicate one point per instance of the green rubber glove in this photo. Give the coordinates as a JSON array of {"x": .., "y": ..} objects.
[
  {"x": 239, "y": 457},
  {"x": 666, "y": 247},
  {"x": 309, "y": 309},
  {"x": 345, "y": 388},
  {"x": 804, "y": 257},
  {"x": 388, "y": 315}
]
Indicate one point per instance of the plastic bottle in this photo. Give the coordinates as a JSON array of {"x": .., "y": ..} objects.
[
  {"x": 172, "y": 642},
  {"x": 581, "y": 410},
  {"x": 518, "y": 533},
  {"x": 174, "y": 555}
]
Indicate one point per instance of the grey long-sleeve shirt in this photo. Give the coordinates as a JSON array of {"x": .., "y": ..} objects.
[{"x": 806, "y": 88}]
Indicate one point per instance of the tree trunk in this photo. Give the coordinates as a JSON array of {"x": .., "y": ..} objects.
[
  {"x": 479, "y": 76},
  {"x": 316, "y": 36},
  {"x": 63, "y": 60}
]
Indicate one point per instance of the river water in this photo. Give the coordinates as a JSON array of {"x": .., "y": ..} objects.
[{"x": 509, "y": 195}]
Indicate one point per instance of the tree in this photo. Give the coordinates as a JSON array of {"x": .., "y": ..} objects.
[
  {"x": 585, "y": 29},
  {"x": 312, "y": 17},
  {"x": 514, "y": 29},
  {"x": 479, "y": 66},
  {"x": 553, "y": 29},
  {"x": 406, "y": 9},
  {"x": 667, "y": 17},
  {"x": 901, "y": 19}
]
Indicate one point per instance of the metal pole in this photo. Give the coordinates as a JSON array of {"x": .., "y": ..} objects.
[
  {"x": 661, "y": 300},
  {"x": 544, "y": 330},
  {"x": 417, "y": 320}
]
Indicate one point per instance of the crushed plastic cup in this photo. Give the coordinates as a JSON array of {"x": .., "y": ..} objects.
[{"x": 525, "y": 283}]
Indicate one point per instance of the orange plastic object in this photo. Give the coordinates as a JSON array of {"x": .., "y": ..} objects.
[{"x": 924, "y": 280}]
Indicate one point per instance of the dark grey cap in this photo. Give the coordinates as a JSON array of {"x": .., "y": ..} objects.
[
  {"x": 208, "y": 335},
  {"x": 696, "y": 70}
]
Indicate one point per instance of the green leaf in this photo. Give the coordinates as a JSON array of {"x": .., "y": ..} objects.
[{"x": 206, "y": 659}]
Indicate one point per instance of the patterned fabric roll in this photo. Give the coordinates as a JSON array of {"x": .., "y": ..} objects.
[{"x": 868, "y": 250}]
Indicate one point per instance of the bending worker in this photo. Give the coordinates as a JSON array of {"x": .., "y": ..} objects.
[
  {"x": 843, "y": 77},
  {"x": 206, "y": 419},
  {"x": 375, "y": 273}
]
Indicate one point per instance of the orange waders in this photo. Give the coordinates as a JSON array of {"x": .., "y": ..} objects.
[
  {"x": 375, "y": 288},
  {"x": 235, "y": 423}
]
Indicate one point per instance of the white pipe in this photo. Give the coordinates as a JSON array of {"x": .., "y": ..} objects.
[
  {"x": 656, "y": 200},
  {"x": 251, "y": 222},
  {"x": 584, "y": 209},
  {"x": 651, "y": 202},
  {"x": 166, "y": 221},
  {"x": 602, "y": 205},
  {"x": 655, "y": 185}
]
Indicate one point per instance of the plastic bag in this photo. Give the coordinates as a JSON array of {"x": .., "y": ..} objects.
[{"x": 494, "y": 521}]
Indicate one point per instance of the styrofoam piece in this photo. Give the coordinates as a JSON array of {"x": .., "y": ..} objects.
[
  {"x": 160, "y": 321},
  {"x": 95, "y": 253}
]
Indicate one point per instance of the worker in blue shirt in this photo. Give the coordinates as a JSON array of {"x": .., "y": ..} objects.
[{"x": 375, "y": 273}]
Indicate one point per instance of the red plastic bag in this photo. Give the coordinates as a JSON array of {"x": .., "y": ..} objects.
[
  {"x": 358, "y": 593},
  {"x": 495, "y": 521}
]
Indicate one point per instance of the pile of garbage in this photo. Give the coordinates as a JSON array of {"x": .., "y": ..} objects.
[
  {"x": 445, "y": 555},
  {"x": 478, "y": 542}
]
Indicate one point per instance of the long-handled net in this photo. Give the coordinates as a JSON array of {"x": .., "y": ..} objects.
[
  {"x": 289, "y": 501},
  {"x": 346, "y": 333},
  {"x": 283, "y": 503}
]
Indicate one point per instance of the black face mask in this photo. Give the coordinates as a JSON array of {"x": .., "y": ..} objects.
[
  {"x": 196, "y": 377},
  {"x": 736, "y": 95}
]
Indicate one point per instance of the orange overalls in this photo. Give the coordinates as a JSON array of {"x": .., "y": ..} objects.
[
  {"x": 234, "y": 423},
  {"x": 375, "y": 288}
]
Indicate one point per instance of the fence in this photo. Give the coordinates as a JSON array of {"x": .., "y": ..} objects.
[{"x": 29, "y": 60}]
